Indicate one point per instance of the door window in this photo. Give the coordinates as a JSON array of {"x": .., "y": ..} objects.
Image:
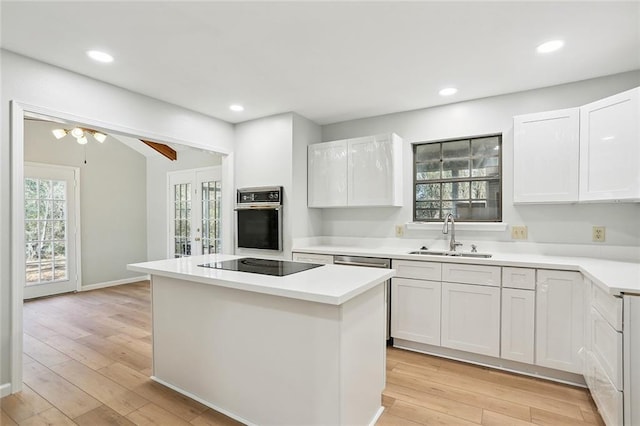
[
  {"x": 45, "y": 230},
  {"x": 195, "y": 212},
  {"x": 182, "y": 219},
  {"x": 51, "y": 235}
]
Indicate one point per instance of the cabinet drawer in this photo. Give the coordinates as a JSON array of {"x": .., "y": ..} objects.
[
  {"x": 608, "y": 399},
  {"x": 417, "y": 270},
  {"x": 607, "y": 347},
  {"x": 523, "y": 278},
  {"x": 471, "y": 274},
  {"x": 609, "y": 306},
  {"x": 325, "y": 259}
]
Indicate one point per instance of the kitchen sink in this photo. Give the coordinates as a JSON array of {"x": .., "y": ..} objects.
[{"x": 451, "y": 253}]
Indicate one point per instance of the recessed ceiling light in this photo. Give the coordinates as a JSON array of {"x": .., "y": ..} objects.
[
  {"x": 448, "y": 91},
  {"x": 99, "y": 56},
  {"x": 550, "y": 46},
  {"x": 236, "y": 108}
]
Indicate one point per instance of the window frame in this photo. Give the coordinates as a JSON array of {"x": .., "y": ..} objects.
[{"x": 499, "y": 178}]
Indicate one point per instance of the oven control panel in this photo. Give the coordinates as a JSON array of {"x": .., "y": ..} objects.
[{"x": 271, "y": 195}]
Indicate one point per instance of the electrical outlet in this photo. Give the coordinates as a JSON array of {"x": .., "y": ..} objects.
[
  {"x": 399, "y": 230},
  {"x": 598, "y": 233},
  {"x": 519, "y": 233}
]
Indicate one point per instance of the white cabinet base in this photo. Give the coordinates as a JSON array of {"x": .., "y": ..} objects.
[
  {"x": 471, "y": 318},
  {"x": 415, "y": 310},
  {"x": 518, "y": 323},
  {"x": 265, "y": 359},
  {"x": 560, "y": 320},
  {"x": 497, "y": 363}
]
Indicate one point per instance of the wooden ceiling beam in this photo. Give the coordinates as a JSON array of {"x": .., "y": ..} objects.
[{"x": 163, "y": 149}]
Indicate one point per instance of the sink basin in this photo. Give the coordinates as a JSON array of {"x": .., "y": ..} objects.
[{"x": 451, "y": 253}]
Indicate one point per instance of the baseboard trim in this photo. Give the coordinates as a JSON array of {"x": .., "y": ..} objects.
[
  {"x": 5, "y": 389},
  {"x": 114, "y": 283},
  {"x": 497, "y": 363},
  {"x": 202, "y": 401},
  {"x": 377, "y": 416}
]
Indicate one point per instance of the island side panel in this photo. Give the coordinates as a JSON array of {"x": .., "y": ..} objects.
[
  {"x": 363, "y": 357},
  {"x": 262, "y": 359}
]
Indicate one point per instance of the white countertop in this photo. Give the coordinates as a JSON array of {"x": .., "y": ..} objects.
[
  {"x": 329, "y": 284},
  {"x": 615, "y": 277}
]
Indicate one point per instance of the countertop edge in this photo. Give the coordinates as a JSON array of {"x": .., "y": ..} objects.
[
  {"x": 579, "y": 264},
  {"x": 280, "y": 292}
]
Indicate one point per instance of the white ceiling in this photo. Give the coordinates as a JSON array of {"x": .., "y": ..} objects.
[{"x": 328, "y": 61}]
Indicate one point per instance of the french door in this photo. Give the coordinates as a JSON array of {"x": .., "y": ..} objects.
[
  {"x": 194, "y": 212},
  {"x": 51, "y": 206}
]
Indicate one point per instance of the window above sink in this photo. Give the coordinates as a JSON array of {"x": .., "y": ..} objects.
[{"x": 462, "y": 177}]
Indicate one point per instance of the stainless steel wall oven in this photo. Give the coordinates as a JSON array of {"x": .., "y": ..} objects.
[{"x": 259, "y": 218}]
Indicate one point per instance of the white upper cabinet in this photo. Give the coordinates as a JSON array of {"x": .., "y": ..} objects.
[
  {"x": 374, "y": 174},
  {"x": 585, "y": 154},
  {"x": 327, "y": 174},
  {"x": 545, "y": 157},
  {"x": 364, "y": 171},
  {"x": 610, "y": 148}
]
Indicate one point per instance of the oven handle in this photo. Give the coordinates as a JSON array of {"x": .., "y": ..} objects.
[
  {"x": 258, "y": 208},
  {"x": 370, "y": 265}
]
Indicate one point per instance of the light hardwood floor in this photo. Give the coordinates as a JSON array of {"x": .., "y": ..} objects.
[{"x": 87, "y": 361}]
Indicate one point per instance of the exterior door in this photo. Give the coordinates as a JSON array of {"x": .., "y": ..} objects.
[
  {"x": 194, "y": 212},
  {"x": 51, "y": 197}
]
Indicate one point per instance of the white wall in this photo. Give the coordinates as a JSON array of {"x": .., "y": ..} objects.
[
  {"x": 36, "y": 83},
  {"x": 113, "y": 204},
  {"x": 273, "y": 151},
  {"x": 263, "y": 153},
  {"x": 566, "y": 224},
  {"x": 307, "y": 222},
  {"x": 157, "y": 215}
]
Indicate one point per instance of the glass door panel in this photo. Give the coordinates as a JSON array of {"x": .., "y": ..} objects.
[
  {"x": 49, "y": 225},
  {"x": 194, "y": 212}
]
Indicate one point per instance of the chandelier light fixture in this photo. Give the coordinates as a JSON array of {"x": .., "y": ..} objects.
[{"x": 80, "y": 133}]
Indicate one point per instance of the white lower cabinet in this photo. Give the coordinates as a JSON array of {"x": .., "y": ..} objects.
[
  {"x": 415, "y": 310},
  {"x": 471, "y": 318},
  {"x": 605, "y": 354},
  {"x": 608, "y": 399},
  {"x": 518, "y": 324},
  {"x": 560, "y": 320},
  {"x": 606, "y": 346}
]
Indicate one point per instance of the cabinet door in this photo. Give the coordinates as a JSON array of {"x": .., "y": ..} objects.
[
  {"x": 374, "y": 172},
  {"x": 471, "y": 318},
  {"x": 559, "y": 320},
  {"x": 415, "y": 310},
  {"x": 545, "y": 157},
  {"x": 606, "y": 344},
  {"x": 327, "y": 185},
  {"x": 610, "y": 148},
  {"x": 518, "y": 322}
]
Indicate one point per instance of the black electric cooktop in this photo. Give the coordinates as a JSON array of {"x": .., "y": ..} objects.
[{"x": 278, "y": 268}]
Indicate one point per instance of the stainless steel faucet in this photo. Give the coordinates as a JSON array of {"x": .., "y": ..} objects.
[{"x": 445, "y": 230}]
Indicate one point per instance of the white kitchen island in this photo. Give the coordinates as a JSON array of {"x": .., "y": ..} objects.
[{"x": 303, "y": 349}]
